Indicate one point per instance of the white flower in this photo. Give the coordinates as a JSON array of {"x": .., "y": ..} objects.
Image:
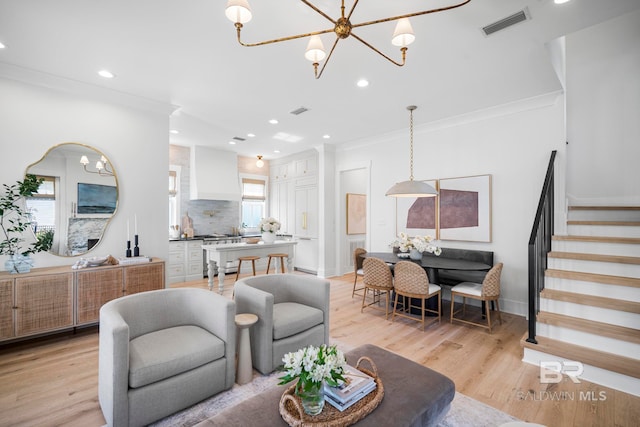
[
  {"x": 269, "y": 225},
  {"x": 314, "y": 364},
  {"x": 420, "y": 243}
]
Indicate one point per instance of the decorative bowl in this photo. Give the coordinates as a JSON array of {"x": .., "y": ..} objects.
[
  {"x": 97, "y": 260},
  {"x": 252, "y": 240}
]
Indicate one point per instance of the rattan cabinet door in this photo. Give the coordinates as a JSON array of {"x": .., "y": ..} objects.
[
  {"x": 6, "y": 309},
  {"x": 44, "y": 303},
  {"x": 94, "y": 289},
  {"x": 140, "y": 278}
]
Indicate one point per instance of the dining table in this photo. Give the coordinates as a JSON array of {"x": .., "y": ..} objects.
[{"x": 432, "y": 265}]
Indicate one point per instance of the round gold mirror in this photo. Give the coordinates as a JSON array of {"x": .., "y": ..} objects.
[{"x": 77, "y": 199}]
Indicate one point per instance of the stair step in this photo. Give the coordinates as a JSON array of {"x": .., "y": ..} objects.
[
  {"x": 621, "y": 259},
  {"x": 604, "y": 228},
  {"x": 615, "y": 265},
  {"x": 599, "y": 239},
  {"x": 604, "y": 213},
  {"x": 591, "y": 300},
  {"x": 606, "y": 223},
  {"x": 590, "y": 326},
  {"x": 609, "y": 361},
  {"x": 591, "y": 277},
  {"x": 597, "y": 245},
  {"x": 604, "y": 208}
]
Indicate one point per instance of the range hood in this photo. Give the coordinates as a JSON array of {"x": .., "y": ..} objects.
[{"x": 214, "y": 174}]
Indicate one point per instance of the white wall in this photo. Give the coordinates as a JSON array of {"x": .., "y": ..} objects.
[
  {"x": 513, "y": 143},
  {"x": 603, "y": 111},
  {"x": 34, "y": 118}
]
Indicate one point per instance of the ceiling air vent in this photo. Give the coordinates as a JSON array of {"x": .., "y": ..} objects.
[
  {"x": 299, "y": 110},
  {"x": 510, "y": 20},
  {"x": 239, "y": 139}
]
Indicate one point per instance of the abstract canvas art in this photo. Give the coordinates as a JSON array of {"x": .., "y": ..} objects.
[
  {"x": 465, "y": 208},
  {"x": 461, "y": 211},
  {"x": 356, "y": 213}
]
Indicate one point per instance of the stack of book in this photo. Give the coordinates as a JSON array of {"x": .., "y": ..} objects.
[
  {"x": 357, "y": 385},
  {"x": 133, "y": 260}
]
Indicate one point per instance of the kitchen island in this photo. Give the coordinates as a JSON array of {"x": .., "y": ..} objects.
[{"x": 218, "y": 255}]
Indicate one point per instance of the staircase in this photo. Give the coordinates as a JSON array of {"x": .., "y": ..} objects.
[{"x": 590, "y": 304}]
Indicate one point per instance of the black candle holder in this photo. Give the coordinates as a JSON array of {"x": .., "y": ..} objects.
[
  {"x": 128, "y": 252},
  {"x": 136, "y": 249}
]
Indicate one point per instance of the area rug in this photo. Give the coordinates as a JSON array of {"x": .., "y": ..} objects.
[{"x": 464, "y": 412}]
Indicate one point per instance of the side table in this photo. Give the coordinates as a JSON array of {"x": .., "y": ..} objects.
[{"x": 244, "y": 371}]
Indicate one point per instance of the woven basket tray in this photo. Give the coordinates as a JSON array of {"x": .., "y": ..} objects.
[{"x": 293, "y": 414}]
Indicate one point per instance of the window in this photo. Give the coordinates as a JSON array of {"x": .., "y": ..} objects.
[
  {"x": 254, "y": 197},
  {"x": 42, "y": 206}
]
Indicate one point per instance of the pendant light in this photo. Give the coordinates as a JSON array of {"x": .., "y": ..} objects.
[
  {"x": 411, "y": 188},
  {"x": 260, "y": 162}
]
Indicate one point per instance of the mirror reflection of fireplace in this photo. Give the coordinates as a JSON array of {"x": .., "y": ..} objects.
[{"x": 91, "y": 243}]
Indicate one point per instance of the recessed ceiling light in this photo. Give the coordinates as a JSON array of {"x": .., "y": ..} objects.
[
  {"x": 106, "y": 74},
  {"x": 2, "y": 46},
  {"x": 363, "y": 83},
  {"x": 560, "y": 1},
  {"x": 326, "y": 136},
  {"x": 276, "y": 151},
  {"x": 251, "y": 135},
  {"x": 174, "y": 131},
  {"x": 232, "y": 142},
  {"x": 273, "y": 121}
]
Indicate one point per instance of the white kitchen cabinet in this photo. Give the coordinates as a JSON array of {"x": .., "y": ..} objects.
[
  {"x": 280, "y": 203},
  {"x": 193, "y": 260},
  {"x": 185, "y": 261},
  {"x": 306, "y": 258},
  {"x": 306, "y": 167},
  {"x": 306, "y": 211}
]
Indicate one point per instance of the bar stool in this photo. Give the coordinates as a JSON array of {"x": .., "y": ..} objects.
[
  {"x": 282, "y": 257},
  {"x": 251, "y": 258}
]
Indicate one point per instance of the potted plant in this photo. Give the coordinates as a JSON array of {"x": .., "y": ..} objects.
[
  {"x": 14, "y": 221},
  {"x": 268, "y": 228},
  {"x": 312, "y": 367}
]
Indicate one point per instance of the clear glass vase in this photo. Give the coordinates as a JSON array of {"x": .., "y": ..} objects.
[
  {"x": 415, "y": 255},
  {"x": 18, "y": 264},
  {"x": 312, "y": 397}
]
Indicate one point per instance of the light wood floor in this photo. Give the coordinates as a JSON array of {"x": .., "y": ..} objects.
[{"x": 54, "y": 381}]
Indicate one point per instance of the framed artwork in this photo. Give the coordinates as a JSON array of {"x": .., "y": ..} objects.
[
  {"x": 418, "y": 215},
  {"x": 465, "y": 208},
  {"x": 97, "y": 198},
  {"x": 356, "y": 213}
]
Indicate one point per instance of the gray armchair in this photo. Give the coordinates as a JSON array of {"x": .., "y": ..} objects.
[
  {"x": 162, "y": 351},
  {"x": 292, "y": 310}
]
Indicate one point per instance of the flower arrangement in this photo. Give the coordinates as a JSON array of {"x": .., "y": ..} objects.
[
  {"x": 312, "y": 365},
  {"x": 419, "y": 243},
  {"x": 269, "y": 225}
]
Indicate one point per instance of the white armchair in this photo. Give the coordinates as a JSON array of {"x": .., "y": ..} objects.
[
  {"x": 292, "y": 310},
  {"x": 162, "y": 351}
]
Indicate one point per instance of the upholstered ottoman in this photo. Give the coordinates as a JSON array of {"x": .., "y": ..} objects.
[{"x": 413, "y": 396}]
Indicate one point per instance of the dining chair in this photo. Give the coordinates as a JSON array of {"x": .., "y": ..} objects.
[
  {"x": 411, "y": 282},
  {"x": 357, "y": 268},
  {"x": 488, "y": 290},
  {"x": 377, "y": 277}
]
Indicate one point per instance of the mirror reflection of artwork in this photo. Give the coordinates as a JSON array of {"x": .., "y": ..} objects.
[{"x": 96, "y": 198}]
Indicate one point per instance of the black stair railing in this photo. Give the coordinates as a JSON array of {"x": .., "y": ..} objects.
[{"x": 539, "y": 247}]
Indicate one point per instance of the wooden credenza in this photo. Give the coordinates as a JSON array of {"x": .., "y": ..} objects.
[{"x": 53, "y": 299}]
